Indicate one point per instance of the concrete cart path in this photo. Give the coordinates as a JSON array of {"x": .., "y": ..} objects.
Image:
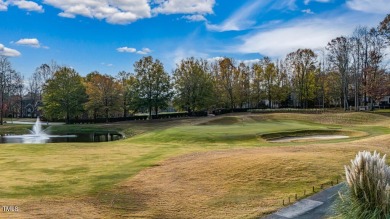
[{"x": 316, "y": 206}]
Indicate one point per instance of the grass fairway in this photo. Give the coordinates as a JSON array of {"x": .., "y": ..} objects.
[{"x": 215, "y": 167}]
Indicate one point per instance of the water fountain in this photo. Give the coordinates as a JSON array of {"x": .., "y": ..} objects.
[
  {"x": 37, "y": 136},
  {"x": 37, "y": 128}
]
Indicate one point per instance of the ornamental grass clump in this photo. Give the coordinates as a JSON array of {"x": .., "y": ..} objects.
[{"x": 368, "y": 179}]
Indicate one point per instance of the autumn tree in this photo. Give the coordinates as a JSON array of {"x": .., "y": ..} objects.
[
  {"x": 193, "y": 85},
  {"x": 339, "y": 56},
  {"x": 256, "y": 83},
  {"x": 281, "y": 88},
  {"x": 225, "y": 76},
  {"x": 303, "y": 69},
  {"x": 242, "y": 85},
  {"x": 124, "y": 78},
  {"x": 265, "y": 80},
  {"x": 376, "y": 83},
  {"x": 269, "y": 79},
  {"x": 153, "y": 84},
  {"x": 134, "y": 103},
  {"x": 103, "y": 96},
  {"x": 64, "y": 95}
]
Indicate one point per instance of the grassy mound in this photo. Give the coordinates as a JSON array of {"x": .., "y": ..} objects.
[
  {"x": 229, "y": 120},
  {"x": 338, "y": 118}
]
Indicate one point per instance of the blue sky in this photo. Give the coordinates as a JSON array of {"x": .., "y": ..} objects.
[{"x": 110, "y": 35}]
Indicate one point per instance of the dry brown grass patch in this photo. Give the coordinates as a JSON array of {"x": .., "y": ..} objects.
[{"x": 239, "y": 183}]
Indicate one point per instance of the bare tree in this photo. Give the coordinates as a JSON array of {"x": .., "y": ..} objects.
[
  {"x": 5, "y": 72},
  {"x": 384, "y": 28},
  {"x": 19, "y": 92},
  {"x": 339, "y": 55},
  {"x": 376, "y": 85}
]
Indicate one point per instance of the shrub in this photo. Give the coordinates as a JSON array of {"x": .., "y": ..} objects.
[{"x": 368, "y": 180}]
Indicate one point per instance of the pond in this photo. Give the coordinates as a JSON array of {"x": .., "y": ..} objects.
[
  {"x": 71, "y": 137},
  {"x": 38, "y": 136}
]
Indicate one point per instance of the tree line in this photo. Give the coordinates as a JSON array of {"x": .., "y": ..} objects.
[{"x": 349, "y": 72}]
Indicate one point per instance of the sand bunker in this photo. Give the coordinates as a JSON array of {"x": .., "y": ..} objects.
[{"x": 309, "y": 138}]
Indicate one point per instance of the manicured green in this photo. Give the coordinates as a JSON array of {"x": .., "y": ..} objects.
[{"x": 69, "y": 169}]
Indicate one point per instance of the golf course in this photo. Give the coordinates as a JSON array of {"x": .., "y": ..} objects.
[{"x": 225, "y": 166}]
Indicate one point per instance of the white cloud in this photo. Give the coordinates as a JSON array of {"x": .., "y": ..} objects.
[
  {"x": 306, "y": 2},
  {"x": 306, "y": 33},
  {"x": 214, "y": 59},
  {"x": 126, "y": 49},
  {"x": 184, "y": 6},
  {"x": 308, "y": 11},
  {"x": 144, "y": 51},
  {"x": 113, "y": 11},
  {"x": 66, "y": 15},
  {"x": 33, "y": 42},
  {"x": 147, "y": 50},
  {"x": 4, "y": 51},
  {"x": 284, "y": 4},
  {"x": 279, "y": 42},
  {"x": 119, "y": 11},
  {"x": 249, "y": 62},
  {"x": 370, "y": 6},
  {"x": 194, "y": 18},
  {"x": 107, "y": 64},
  {"x": 27, "y": 5},
  {"x": 240, "y": 19},
  {"x": 122, "y": 18},
  {"x": 3, "y": 5},
  {"x": 245, "y": 17}
]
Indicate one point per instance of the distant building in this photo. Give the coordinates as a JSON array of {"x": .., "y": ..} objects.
[
  {"x": 385, "y": 101},
  {"x": 26, "y": 107}
]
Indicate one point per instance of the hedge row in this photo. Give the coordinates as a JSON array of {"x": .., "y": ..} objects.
[{"x": 132, "y": 118}]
